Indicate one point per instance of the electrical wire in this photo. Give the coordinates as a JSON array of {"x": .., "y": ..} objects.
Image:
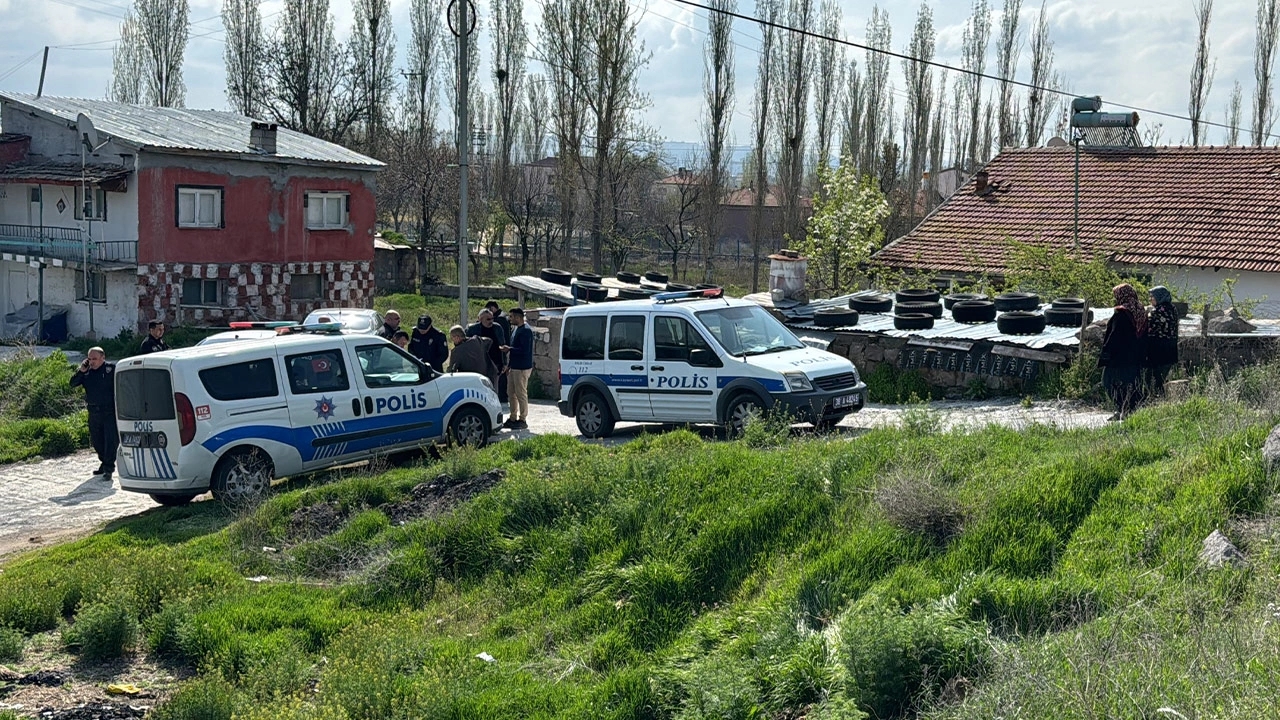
[
  {"x": 945, "y": 66},
  {"x": 21, "y": 64}
]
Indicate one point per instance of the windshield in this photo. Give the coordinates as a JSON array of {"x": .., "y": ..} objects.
[
  {"x": 358, "y": 321},
  {"x": 750, "y": 330}
]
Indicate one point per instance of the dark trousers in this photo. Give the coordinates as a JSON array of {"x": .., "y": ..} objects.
[
  {"x": 104, "y": 437},
  {"x": 1155, "y": 379},
  {"x": 1124, "y": 387},
  {"x": 502, "y": 387}
]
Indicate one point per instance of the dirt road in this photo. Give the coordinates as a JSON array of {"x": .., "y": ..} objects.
[{"x": 52, "y": 500}]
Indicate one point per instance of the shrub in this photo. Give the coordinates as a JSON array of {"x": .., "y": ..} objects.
[
  {"x": 102, "y": 630},
  {"x": 888, "y": 384},
  {"x": 162, "y": 631},
  {"x": 919, "y": 419},
  {"x": 206, "y": 698},
  {"x": 919, "y": 505},
  {"x": 772, "y": 428},
  {"x": 11, "y": 645}
]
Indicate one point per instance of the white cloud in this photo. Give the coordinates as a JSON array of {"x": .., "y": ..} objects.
[{"x": 1137, "y": 53}]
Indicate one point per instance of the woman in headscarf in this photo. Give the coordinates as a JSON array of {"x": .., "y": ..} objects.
[
  {"x": 1162, "y": 339},
  {"x": 1124, "y": 350}
]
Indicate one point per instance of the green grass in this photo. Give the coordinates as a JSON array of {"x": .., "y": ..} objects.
[
  {"x": 443, "y": 311},
  {"x": 41, "y": 415},
  {"x": 676, "y": 578}
]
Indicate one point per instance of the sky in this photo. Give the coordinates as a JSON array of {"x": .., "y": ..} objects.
[{"x": 1137, "y": 52}]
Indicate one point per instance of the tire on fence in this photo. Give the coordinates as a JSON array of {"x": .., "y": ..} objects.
[
  {"x": 633, "y": 294},
  {"x": 917, "y": 295},
  {"x": 918, "y": 306},
  {"x": 628, "y": 277},
  {"x": 591, "y": 292},
  {"x": 913, "y": 321},
  {"x": 973, "y": 311},
  {"x": 871, "y": 303},
  {"x": 589, "y": 277},
  {"x": 678, "y": 287},
  {"x": 1021, "y": 322},
  {"x": 656, "y": 277},
  {"x": 949, "y": 300},
  {"x": 1068, "y": 303},
  {"x": 1017, "y": 301},
  {"x": 556, "y": 276},
  {"x": 835, "y": 317},
  {"x": 1066, "y": 317}
]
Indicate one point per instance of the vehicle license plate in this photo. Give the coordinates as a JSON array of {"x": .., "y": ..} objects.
[
  {"x": 142, "y": 439},
  {"x": 845, "y": 401}
]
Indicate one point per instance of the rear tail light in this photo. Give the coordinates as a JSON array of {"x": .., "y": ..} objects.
[{"x": 186, "y": 418}]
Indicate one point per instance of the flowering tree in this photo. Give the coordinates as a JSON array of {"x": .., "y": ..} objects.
[{"x": 846, "y": 228}]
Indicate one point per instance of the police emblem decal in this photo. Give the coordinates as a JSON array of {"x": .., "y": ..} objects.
[{"x": 324, "y": 408}]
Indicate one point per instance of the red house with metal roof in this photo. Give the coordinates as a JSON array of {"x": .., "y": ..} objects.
[
  {"x": 1188, "y": 217},
  {"x": 188, "y": 216}
]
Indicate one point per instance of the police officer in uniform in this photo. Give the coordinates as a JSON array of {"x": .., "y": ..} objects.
[
  {"x": 97, "y": 377},
  {"x": 155, "y": 338}
]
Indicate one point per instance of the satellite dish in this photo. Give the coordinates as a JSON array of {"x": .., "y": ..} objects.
[
  {"x": 88, "y": 133},
  {"x": 1057, "y": 142}
]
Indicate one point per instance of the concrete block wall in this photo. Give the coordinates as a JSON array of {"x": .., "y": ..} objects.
[{"x": 546, "y": 325}]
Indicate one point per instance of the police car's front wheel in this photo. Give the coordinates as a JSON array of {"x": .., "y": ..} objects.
[
  {"x": 593, "y": 416},
  {"x": 243, "y": 478},
  {"x": 469, "y": 427},
  {"x": 744, "y": 409}
]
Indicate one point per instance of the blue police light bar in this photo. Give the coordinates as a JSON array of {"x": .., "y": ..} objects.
[
  {"x": 269, "y": 325},
  {"x": 710, "y": 293}
]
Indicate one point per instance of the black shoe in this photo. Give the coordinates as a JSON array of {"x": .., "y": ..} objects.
[
  {"x": 101, "y": 469},
  {"x": 522, "y": 425},
  {"x": 106, "y": 477}
]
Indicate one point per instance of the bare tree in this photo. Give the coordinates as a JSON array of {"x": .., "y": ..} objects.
[
  {"x": 876, "y": 90},
  {"x": 974, "y": 59},
  {"x": 163, "y": 29},
  {"x": 373, "y": 56},
  {"x": 1201, "y": 71},
  {"x": 717, "y": 86},
  {"x": 510, "y": 45},
  {"x": 473, "y": 64},
  {"x": 919, "y": 110},
  {"x": 679, "y": 210},
  {"x": 244, "y": 56},
  {"x": 1233, "y": 115},
  {"x": 533, "y": 131},
  {"x": 127, "y": 64},
  {"x": 1007, "y": 52},
  {"x": 794, "y": 76},
  {"x": 853, "y": 111},
  {"x": 958, "y": 118},
  {"x": 425, "y": 62},
  {"x": 306, "y": 63},
  {"x": 937, "y": 144},
  {"x": 768, "y": 12},
  {"x": 1044, "y": 80},
  {"x": 826, "y": 83},
  {"x": 1264, "y": 60},
  {"x": 564, "y": 53}
]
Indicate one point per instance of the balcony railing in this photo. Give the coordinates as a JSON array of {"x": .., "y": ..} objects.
[{"x": 68, "y": 244}]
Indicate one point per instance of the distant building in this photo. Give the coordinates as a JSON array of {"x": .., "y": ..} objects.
[
  {"x": 190, "y": 216},
  {"x": 1185, "y": 217}
]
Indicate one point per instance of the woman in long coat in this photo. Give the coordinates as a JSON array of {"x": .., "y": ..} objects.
[
  {"x": 1124, "y": 351},
  {"x": 1162, "y": 339}
]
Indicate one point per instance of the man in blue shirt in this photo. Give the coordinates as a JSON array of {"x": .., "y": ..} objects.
[{"x": 520, "y": 358}]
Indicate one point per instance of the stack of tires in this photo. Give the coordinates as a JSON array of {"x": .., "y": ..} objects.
[
  {"x": 1067, "y": 312},
  {"x": 1019, "y": 313},
  {"x": 916, "y": 308}
]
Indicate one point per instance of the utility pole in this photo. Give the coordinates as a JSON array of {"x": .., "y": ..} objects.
[
  {"x": 44, "y": 65},
  {"x": 463, "y": 131}
]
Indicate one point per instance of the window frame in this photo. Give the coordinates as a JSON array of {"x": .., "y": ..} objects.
[
  {"x": 271, "y": 366},
  {"x": 219, "y": 222},
  {"x": 97, "y": 286},
  {"x": 584, "y": 355},
  {"x": 413, "y": 362},
  {"x": 99, "y": 209},
  {"x": 324, "y": 197},
  {"x": 337, "y": 353},
  {"x": 612, "y": 349},
  {"x": 220, "y": 286},
  {"x": 293, "y": 279},
  {"x": 691, "y": 332}
]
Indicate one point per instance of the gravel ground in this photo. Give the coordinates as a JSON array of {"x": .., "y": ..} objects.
[{"x": 52, "y": 500}]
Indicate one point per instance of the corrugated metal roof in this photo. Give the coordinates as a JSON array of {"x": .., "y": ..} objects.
[
  {"x": 184, "y": 129},
  {"x": 52, "y": 172}
]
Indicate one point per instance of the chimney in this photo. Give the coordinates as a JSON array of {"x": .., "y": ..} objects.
[
  {"x": 263, "y": 137},
  {"x": 980, "y": 182}
]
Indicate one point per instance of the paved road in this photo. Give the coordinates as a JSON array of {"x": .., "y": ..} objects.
[{"x": 52, "y": 500}]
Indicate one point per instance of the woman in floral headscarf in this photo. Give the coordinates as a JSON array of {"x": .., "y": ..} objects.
[
  {"x": 1162, "y": 339},
  {"x": 1124, "y": 351}
]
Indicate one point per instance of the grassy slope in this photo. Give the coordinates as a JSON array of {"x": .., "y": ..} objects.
[{"x": 676, "y": 578}]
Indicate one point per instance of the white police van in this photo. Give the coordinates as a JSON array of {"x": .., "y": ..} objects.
[
  {"x": 695, "y": 358},
  {"x": 231, "y": 417}
]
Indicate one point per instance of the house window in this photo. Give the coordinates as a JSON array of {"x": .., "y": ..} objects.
[
  {"x": 196, "y": 291},
  {"x": 306, "y": 287},
  {"x": 93, "y": 287},
  {"x": 327, "y": 210},
  {"x": 91, "y": 205},
  {"x": 199, "y": 207}
]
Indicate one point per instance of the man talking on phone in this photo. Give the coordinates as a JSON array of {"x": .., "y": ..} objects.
[{"x": 97, "y": 377}]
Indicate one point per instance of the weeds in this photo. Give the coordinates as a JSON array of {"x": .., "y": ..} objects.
[
  {"x": 919, "y": 505},
  {"x": 888, "y": 384},
  {"x": 102, "y": 630},
  {"x": 771, "y": 428},
  {"x": 919, "y": 419},
  {"x": 12, "y": 644},
  {"x": 207, "y": 698}
]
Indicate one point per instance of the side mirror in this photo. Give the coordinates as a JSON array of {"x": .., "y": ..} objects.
[{"x": 702, "y": 357}]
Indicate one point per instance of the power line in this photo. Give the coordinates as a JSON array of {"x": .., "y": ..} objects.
[
  {"x": 945, "y": 66},
  {"x": 21, "y": 64}
]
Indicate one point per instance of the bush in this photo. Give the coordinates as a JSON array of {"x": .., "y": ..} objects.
[
  {"x": 207, "y": 698},
  {"x": 102, "y": 631},
  {"x": 919, "y": 505},
  {"x": 11, "y": 645},
  {"x": 26, "y": 439},
  {"x": 33, "y": 388},
  {"x": 888, "y": 384}
]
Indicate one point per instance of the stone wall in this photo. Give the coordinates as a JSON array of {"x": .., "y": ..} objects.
[
  {"x": 546, "y": 349},
  {"x": 249, "y": 291}
]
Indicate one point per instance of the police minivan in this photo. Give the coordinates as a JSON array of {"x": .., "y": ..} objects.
[
  {"x": 233, "y": 416},
  {"x": 695, "y": 358}
]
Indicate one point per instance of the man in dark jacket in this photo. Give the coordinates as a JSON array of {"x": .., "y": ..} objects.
[
  {"x": 485, "y": 327},
  {"x": 429, "y": 344},
  {"x": 390, "y": 325},
  {"x": 154, "y": 341},
  {"x": 471, "y": 354},
  {"x": 97, "y": 377},
  {"x": 520, "y": 356}
]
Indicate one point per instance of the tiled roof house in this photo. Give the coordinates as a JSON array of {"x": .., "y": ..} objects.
[{"x": 1186, "y": 216}]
